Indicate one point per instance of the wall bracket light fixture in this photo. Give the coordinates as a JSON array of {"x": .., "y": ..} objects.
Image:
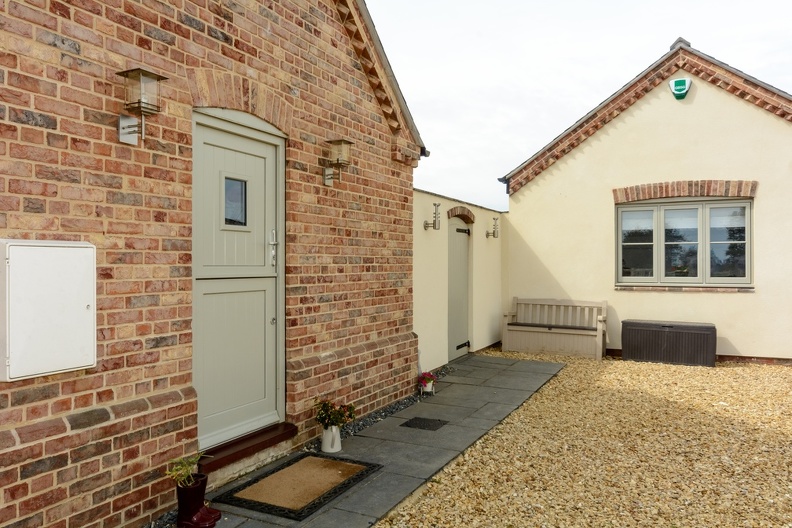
[
  {"x": 435, "y": 223},
  {"x": 494, "y": 232},
  {"x": 340, "y": 157},
  {"x": 141, "y": 98}
]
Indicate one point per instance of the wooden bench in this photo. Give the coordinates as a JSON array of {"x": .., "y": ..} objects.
[{"x": 556, "y": 326}]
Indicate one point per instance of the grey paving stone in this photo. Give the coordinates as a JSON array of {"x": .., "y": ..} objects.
[
  {"x": 379, "y": 495},
  {"x": 357, "y": 447},
  {"x": 494, "y": 411},
  {"x": 253, "y": 523},
  {"x": 458, "y": 377},
  {"x": 334, "y": 518},
  {"x": 418, "y": 461},
  {"x": 478, "y": 396},
  {"x": 537, "y": 366},
  {"x": 477, "y": 423},
  {"x": 482, "y": 373},
  {"x": 229, "y": 520},
  {"x": 430, "y": 409},
  {"x": 270, "y": 521},
  {"x": 527, "y": 381},
  {"x": 486, "y": 360},
  {"x": 449, "y": 436}
]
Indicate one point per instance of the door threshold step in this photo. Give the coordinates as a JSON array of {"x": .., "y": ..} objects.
[{"x": 229, "y": 452}]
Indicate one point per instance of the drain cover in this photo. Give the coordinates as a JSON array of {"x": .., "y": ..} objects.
[{"x": 427, "y": 424}]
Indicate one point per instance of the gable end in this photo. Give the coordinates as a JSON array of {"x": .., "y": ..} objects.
[{"x": 681, "y": 57}]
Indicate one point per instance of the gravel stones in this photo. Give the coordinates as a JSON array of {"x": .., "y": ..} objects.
[{"x": 627, "y": 444}]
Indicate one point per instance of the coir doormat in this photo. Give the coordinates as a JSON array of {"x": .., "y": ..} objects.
[{"x": 299, "y": 487}]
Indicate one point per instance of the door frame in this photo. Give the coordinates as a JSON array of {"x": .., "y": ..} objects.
[{"x": 246, "y": 125}]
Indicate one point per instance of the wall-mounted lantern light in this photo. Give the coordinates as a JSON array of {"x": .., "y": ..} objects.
[
  {"x": 141, "y": 98},
  {"x": 435, "y": 223},
  {"x": 340, "y": 157},
  {"x": 494, "y": 232}
]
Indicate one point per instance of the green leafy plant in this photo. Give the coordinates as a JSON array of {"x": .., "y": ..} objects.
[
  {"x": 182, "y": 470},
  {"x": 329, "y": 413},
  {"x": 425, "y": 377}
]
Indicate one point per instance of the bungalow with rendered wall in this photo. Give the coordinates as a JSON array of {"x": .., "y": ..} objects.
[
  {"x": 234, "y": 284},
  {"x": 669, "y": 199}
]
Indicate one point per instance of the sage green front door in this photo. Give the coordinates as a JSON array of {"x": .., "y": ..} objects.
[{"x": 237, "y": 226}]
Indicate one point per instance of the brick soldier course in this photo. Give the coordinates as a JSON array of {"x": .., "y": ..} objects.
[{"x": 89, "y": 448}]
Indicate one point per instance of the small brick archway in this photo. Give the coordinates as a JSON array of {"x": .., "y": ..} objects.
[{"x": 463, "y": 213}]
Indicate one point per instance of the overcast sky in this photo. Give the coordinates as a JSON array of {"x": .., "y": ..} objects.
[{"x": 489, "y": 83}]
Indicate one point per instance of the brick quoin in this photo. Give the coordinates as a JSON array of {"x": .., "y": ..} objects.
[{"x": 89, "y": 448}]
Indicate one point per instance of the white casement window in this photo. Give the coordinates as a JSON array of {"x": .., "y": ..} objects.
[{"x": 685, "y": 243}]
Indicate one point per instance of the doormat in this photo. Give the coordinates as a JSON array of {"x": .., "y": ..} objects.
[
  {"x": 427, "y": 424},
  {"x": 299, "y": 487}
]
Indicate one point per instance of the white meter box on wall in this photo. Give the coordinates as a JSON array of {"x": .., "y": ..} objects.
[{"x": 48, "y": 307}]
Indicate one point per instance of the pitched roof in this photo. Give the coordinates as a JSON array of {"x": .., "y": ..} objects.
[{"x": 680, "y": 57}]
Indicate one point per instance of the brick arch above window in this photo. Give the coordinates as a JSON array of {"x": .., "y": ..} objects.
[
  {"x": 686, "y": 188},
  {"x": 221, "y": 89},
  {"x": 463, "y": 213}
]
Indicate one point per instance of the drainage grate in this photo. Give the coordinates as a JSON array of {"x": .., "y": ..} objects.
[{"x": 427, "y": 424}]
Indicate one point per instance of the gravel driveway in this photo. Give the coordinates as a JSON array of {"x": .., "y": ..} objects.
[{"x": 621, "y": 443}]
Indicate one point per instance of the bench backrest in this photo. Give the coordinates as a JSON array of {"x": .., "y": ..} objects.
[{"x": 554, "y": 312}]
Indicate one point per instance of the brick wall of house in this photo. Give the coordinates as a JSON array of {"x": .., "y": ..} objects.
[{"x": 88, "y": 448}]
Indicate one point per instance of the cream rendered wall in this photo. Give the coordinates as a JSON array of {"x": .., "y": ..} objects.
[
  {"x": 562, "y": 241},
  {"x": 430, "y": 279}
]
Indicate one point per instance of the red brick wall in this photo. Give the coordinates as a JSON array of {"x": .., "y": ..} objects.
[{"x": 89, "y": 448}]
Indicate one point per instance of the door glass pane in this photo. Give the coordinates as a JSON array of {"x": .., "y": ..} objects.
[
  {"x": 235, "y": 202},
  {"x": 637, "y": 243}
]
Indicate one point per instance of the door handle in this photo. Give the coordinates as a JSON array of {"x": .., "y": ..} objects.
[{"x": 274, "y": 246}]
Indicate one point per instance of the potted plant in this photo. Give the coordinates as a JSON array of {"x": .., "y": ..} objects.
[
  {"x": 331, "y": 417},
  {"x": 426, "y": 380},
  {"x": 190, "y": 489}
]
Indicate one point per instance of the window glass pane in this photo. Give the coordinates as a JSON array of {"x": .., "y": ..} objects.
[
  {"x": 727, "y": 224},
  {"x": 717, "y": 232},
  {"x": 681, "y": 225},
  {"x": 235, "y": 202},
  {"x": 638, "y": 260},
  {"x": 637, "y": 226},
  {"x": 727, "y": 260},
  {"x": 681, "y": 260}
]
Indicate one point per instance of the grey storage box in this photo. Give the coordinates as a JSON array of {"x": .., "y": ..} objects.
[{"x": 669, "y": 342}]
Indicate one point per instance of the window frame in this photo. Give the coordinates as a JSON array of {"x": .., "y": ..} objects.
[{"x": 704, "y": 208}]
